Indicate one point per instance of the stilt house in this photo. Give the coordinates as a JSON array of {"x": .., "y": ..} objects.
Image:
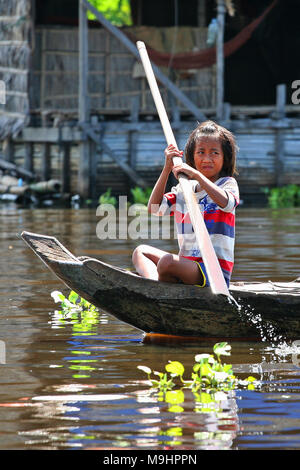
[{"x": 75, "y": 104}]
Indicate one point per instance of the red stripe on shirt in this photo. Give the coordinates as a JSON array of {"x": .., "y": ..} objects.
[
  {"x": 226, "y": 265},
  {"x": 221, "y": 216},
  {"x": 217, "y": 216}
]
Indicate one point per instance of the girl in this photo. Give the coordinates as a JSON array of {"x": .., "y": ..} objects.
[{"x": 210, "y": 155}]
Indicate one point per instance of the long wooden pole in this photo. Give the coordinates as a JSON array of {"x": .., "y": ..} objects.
[
  {"x": 84, "y": 167},
  {"x": 220, "y": 61},
  {"x": 214, "y": 272}
]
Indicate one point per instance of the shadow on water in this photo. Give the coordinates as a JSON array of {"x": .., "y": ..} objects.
[{"x": 71, "y": 382}]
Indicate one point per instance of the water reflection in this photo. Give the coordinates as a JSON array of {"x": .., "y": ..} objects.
[{"x": 71, "y": 382}]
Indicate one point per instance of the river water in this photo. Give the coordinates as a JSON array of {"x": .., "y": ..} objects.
[{"x": 73, "y": 382}]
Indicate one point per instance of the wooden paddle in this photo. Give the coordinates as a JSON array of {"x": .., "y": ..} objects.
[{"x": 212, "y": 266}]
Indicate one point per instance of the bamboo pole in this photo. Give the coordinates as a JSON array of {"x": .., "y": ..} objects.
[{"x": 214, "y": 272}]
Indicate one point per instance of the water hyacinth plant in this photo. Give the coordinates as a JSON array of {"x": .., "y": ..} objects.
[
  {"x": 72, "y": 303},
  {"x": 208, "y": 374},
  {"x": 81, "y": 314}
]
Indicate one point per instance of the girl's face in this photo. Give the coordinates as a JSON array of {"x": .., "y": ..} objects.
[{"x": 209, "y": 157}]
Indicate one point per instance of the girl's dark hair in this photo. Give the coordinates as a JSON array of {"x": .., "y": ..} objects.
[{"x": 229, "y": 146}]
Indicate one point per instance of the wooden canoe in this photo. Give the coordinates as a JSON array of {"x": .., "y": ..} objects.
[{"x": 174, "y": 309}]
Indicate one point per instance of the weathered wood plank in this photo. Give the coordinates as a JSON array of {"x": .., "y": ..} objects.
[
  {"x": 159, "y": 75},
  {"x": 123, "y": 165},
  {"x": 65, "y": 171},
  {"x": 46, "y": 162},
  {"x": 85, "y": 156},
  {"x": 220, "y": 59}
]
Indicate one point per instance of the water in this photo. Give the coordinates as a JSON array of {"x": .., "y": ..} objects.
[{"x": 73, "y": 383}]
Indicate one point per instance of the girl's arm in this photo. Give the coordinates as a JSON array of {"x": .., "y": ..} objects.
[
  {"x": 160, "y": 186},
  {"x": 217, "y": 194}
]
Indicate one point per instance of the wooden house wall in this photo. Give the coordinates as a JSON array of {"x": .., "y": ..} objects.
[
  {"x": 15, "y": 30},
  {"x": 113, "y": 77},
  {"x": 292, "y": 157},
  {"x": 257, "y": 160}
]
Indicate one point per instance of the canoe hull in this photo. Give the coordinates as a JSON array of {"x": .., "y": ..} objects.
[{"x": 165, "y": 308}]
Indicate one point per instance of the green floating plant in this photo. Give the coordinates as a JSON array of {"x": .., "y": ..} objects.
[
  {"x": 74, "y": 310},
  {"x": 209, "y": 374},
  {"x": 73, "y": 303}
]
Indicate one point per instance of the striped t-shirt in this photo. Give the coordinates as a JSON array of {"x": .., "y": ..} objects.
[{"x": 220, "y": 222}]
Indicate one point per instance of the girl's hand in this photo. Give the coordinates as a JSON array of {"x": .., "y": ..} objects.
[
  {"x": 189, "y": 171},
  {"x": 170, "y": 152}
]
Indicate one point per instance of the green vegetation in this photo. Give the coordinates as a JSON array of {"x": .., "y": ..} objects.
[
  {"x": 284, "y": 196},
  {"x": 72, "y": 303},
  {"x": 107, "y": 198},
  {"x": 210, "y": 380},
  {"x": 140, "y": 195},
  {"x": 77, "y": 311},
  {"x": 118, "y": 12}
]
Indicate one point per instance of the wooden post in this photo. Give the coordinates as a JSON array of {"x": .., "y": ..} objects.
[
  {"x": 201, "y": 13},
  {"x": 280, "y": 101},
  {"x": 279, "y": 157},
  {"x": 8, "y": 150},
  {"x": 46, "y": 162},
  {"x": 133, "y": 133},
  {"x": 93, "y": 149},
  {"x": 220, "y": 61},
  {"x": 65, "y": 177},
  {"x": 29, "y": 160},
  {"x": 83, "y": 105},
  {"x": 279, "y": 134}
]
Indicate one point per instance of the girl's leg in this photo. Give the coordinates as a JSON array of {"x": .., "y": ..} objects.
[
  {"x": 172, "y": 268},
  {"x": 145, "y": 259}
]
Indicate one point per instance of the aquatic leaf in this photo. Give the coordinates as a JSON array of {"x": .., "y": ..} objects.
[
  {"x": 205, "y": 370},
  {"x": 251, "y": 379},
  {"x": 145, "y": 369},
  {"x": 204, "y": 397},
  {"x": 176, "y": 409},
  {"x": 160, "y": 374},
  {"x": 73, "y": 296},
  {"x": 175, "y": 431},
  {"x": 203, "y": 357},
  {"x": 227, "y": 368},
  {"x": 221, "y": 376},
  {"x": 175, "y": 367},
  {"x": 155, "y": 383},
  {"x": 174, "y": 397},
  {"x": 57, "y": 296},
  {"x": 222, "y": 349}
]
